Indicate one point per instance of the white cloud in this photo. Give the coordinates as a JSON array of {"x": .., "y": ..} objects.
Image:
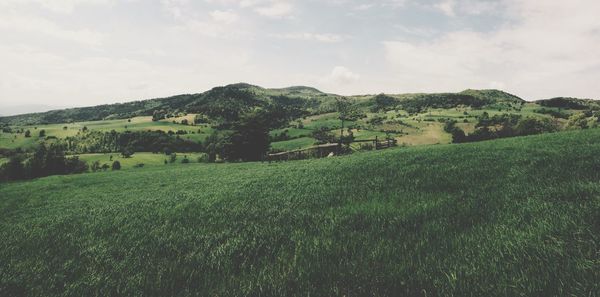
[
  {"x": 39, "y": 25},
  {"x": 275, "y": 9},
  {"x": 320, "y": 37},
  {"x": 58, "y": 6},
  {"x": 447, "y": 7},
  {"x": 543, "y": 53},
  {"x": 340, "y": 76},
  {"x": 227, "y": 17}
]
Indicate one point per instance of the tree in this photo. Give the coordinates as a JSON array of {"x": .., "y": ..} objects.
[
  {"x": 42, "y": 133},
  {"x": 212, "y": 145},
  {"x": 347, "y": 112},
  {"x": 14, "y": 169},
  {"x": 126, "y": 152},
  {"x": 27, "y": 133},
  {"x": 458, "y": 135},
  {"x": 95, "y": 166},
  {"x": 116, "y": 165},
  {"x": 249, "y": 140},
  {"x": 158, "y": 115}
]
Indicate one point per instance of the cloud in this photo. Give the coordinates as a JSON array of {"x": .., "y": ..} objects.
[
  {"x": 226, "y": 17},
  {"x": 320, "y": 37},
  {"x": 544, "y": 51},
  {"x": 57, "y": 6},
  {"x": 39, "y": 25},
  {"x": 447, "y": 7},
  {"x": 340, "y": 76},
  {"x": 275, "y": 9}
]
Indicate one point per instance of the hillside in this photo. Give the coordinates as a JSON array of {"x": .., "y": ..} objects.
[
  {"x": 511, "y": 217},
  {"x": 570, "y": 103},
  {"x": 235, "y": 95},
  {"x": 242, "y": 95}
]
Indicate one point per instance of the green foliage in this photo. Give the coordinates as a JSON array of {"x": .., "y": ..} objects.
[
  {"x": 116, "y": 165},
  {"x": 496, "y": 96},
  {"x": 508, "y": 125},
  {"x": 46, "y": 160},
  {"x": 27, "y": 133},
  {"x": 42, "y": 133},
  {"x": 129, "y": 141},
  {"x": 249, "y": 140},
  {"x": 158, "y": 115},
  {"x": 568, "y": 103},
  {"x": 578, "y": 121},
  {"x": 127, "y": 152},
  {"x": 511, "y": 217},
  {"x": 323, "y": 135},
  {"x": 553, "y": 112},
  {"x": 422, "y": 102},
  {"x": 383, "y": 102}
]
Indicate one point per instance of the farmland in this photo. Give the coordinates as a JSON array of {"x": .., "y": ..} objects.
[{"x": 508, "y": 217}]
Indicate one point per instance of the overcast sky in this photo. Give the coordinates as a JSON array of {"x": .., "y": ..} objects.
[{"x": 87, "y": 52}]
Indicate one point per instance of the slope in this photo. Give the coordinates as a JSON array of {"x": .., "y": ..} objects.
[{"x": 510, "y": 217}]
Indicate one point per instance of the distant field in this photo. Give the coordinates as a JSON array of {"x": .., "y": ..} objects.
[
  {"x": 511, "y": 217},
  {"x": 419, "y": 129},
  {"x": 294, "y": 144},
  {"x": 147, "y": 159},
  {"x": 15, "y": 140}
]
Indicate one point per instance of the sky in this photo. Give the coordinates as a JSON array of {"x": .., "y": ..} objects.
[{"x": 89, "y": 52}]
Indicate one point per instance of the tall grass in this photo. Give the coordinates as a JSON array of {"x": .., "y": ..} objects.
[{"x": 512, "y": 217}]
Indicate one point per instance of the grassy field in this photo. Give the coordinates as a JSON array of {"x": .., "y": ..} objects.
[
  {"x": 419, "y": 129},
  {"x": 512, "y": 217},
  {"x": 147, "y": 159},
  {"x": 15, "y": 140}
]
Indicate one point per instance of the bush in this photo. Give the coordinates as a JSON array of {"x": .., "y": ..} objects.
[
  {"x": 116, "y": 165},
  {"x": 95, "y": 166},
  {"x": 185, "y": 160}
]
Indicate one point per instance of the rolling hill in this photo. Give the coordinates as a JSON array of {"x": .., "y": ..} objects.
[
  {"x": 510, "y": 217},
  {"x": 242, "y": 95}
]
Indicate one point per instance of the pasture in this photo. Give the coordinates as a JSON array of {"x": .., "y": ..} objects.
[{"x": 510, "y": 217}]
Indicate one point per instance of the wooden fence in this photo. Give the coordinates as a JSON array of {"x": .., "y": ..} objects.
[{"x": 324, "y": 150}]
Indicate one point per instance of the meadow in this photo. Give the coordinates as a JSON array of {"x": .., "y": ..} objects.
[
  {"x": 139, "y": 160},
  {"x": 18, "y": 140},
  {"x": 510, "y": 217}
]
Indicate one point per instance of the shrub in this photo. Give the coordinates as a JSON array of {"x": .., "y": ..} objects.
[
  {"x": 116, "y": 165},
  {"x": 95, "y": 166}
]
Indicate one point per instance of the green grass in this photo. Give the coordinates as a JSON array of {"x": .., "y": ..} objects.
[
  {"x": 8, "y": 140},
  {"x": 148, "y": 159},
  {"x": 511, "y": 217},
  {"x": 294, "y": 144}
]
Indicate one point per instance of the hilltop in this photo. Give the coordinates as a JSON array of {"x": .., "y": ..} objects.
[{"x": 243, "y": 95}]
